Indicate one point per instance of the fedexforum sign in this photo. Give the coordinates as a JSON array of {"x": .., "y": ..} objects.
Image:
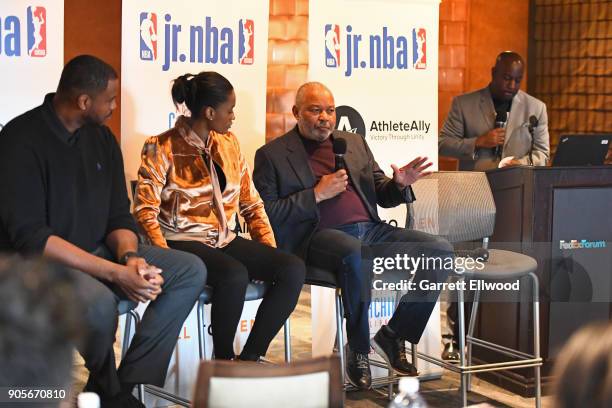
[{"x": 582, "y": 244}]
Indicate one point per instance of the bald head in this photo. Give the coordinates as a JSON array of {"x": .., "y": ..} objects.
[
  {"x": 315, "y": 111},
  {"x": 506, "y": 75},
  {"x": 310, "y": 88},
  {"x": 508, "y": 57}
]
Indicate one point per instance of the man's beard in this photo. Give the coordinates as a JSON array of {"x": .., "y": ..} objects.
[{"x": 95, "y": 120}]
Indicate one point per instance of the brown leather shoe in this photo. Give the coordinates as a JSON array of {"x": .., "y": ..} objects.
[{"x": 393, "y": 350}]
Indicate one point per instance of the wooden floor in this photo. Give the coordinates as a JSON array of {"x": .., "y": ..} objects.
[{"x": 440, "y": 393}]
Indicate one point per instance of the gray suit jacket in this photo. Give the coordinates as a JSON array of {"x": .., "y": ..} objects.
[
  {"x": 286, "y": 183},
  {"x": 473, "y": 114}
]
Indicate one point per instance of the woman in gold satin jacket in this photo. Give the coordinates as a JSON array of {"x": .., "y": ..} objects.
[{"x": 192, "y": 181}]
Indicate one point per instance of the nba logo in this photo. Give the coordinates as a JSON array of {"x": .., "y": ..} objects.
[
  {"x": 419, "y": 49},
  {"x": 148, "y": 36},
  {"x": 37, "y": 31},
  {"x": 246, "y": 36},
  {"x": 332, "y": 45}
]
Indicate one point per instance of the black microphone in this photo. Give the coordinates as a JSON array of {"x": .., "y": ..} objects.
[
  {"x": 533, "y": 123},
  {"x": 339, "y": 152},
  {"x": 501, "y": 118}
]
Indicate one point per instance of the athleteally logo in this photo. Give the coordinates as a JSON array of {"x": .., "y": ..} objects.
[{"x": 349, "y": 120}]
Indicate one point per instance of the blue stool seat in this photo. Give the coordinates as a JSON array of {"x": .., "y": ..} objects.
[{"x": 125, "y": 306}]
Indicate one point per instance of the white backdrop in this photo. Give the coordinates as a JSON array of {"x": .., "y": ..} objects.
[
  {"x": 31, "y": 53},
  {"x": 380, "y": 60},
  {"x": 162, "y": 40},
  {"x": 210, "y": 33}
]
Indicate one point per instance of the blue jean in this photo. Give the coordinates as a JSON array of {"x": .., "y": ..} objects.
[{"x": 341, "y": 248}]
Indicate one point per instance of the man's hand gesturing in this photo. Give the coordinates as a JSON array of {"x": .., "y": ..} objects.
[{"x": 411, "y": 172}]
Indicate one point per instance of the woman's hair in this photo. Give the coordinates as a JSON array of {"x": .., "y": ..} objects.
[
  {"x": 583, "y": 371},
  {"x": 207, "y": 88}
]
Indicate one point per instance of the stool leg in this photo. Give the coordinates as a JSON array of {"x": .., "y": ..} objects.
[
  {"x": 461, "y": 318},
  {"x": 126, "y": 333},
  {"x": 414, "y": 355},
  {"x": 471, "y": 327},
  {"x": 201, "y": 331},
  {"x": 287, "y": 332},
  {"x": 131, "y": 315},
  {"x": 339, "y": 333},
  {"x": 536, "y": 338},
  {"x": 390, "y": 373},
  {"x": 141, "y": 393}
]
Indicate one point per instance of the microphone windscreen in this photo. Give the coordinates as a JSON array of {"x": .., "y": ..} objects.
[
  {"x": 339, "y": 146},
  {"x": 501, "y": 116},
  {"x": 533, "y": 121}
]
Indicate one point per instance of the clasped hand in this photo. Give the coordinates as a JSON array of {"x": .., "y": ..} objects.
[{"x": 140, "y": 281}]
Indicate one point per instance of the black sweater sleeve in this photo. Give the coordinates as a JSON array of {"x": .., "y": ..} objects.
[{"x": 22, "y": 191}]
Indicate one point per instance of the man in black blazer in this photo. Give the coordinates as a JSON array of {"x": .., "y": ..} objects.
[{"x": 328, "y": 217}]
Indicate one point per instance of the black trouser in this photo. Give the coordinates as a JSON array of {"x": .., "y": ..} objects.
[
  {"x": 230, "y": 269},
  {"x": 147, "y": 359},
  {"x": 340, "y": 249}
]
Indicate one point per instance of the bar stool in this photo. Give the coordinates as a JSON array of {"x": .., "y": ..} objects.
[
  {"x": 255, "y": 291},
  {"x": 461, "y": 203},
  {"x": 127, "y": 307},
  {"x": 325, "y": 278}
]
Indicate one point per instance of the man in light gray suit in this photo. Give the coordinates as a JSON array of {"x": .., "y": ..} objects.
[{"x": 473, "y": 130}]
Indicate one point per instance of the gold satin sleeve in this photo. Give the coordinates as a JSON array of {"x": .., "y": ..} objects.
[
  {"x": 251, "y": 205},
  {"x": 155, "y": 162}
]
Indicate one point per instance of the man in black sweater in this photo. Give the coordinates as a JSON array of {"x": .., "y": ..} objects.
[{"x": 64, "y": 197}]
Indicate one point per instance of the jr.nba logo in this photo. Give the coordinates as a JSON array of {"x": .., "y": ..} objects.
[
  {"x": 246, "y": 36},
  {"x": 419, "y": 48},
  {"x": 37, "y": 31},
  {"x": 332, "y": 45},
  {"x": 148, "y": 36}
]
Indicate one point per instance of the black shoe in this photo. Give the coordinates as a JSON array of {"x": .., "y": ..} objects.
[
  {"x": 451, "y": 352},
  {"x": 358, "y": 369},
  {"x": 393, "y": 350},
  {"x": 249, "y": 357}
]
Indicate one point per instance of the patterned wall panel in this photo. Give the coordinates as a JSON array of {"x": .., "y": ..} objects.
[{"x": 571, "y": 64}]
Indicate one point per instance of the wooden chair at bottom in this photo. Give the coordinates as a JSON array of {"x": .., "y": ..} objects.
[{"x": 300, "y": 384}]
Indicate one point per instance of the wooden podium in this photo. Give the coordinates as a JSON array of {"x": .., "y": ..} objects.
[{"x": 540, "y": 210}]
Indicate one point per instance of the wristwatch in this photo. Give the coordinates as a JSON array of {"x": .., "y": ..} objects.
[{"x": 124, "y": 258}]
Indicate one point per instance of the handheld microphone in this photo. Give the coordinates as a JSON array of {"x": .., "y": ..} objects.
[
  {"x": 339, "y": 152},
  {"x": 501, "y": 118}
]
